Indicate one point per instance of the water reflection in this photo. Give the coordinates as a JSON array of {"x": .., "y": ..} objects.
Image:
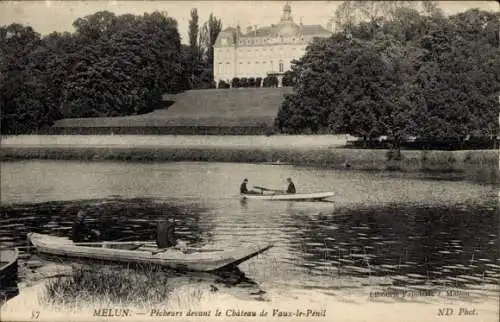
[
  {"x": 412, "y": 245},
  {"x": 407, "y": 245},
  {"x": 380, "y": 230}
]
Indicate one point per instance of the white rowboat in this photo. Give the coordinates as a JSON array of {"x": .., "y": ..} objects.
[
  {"x": 204, "y": 260},
  {"x": 291, "y": 197}
]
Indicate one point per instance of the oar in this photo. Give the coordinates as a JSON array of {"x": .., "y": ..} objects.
[
  {"x": 267, "y": 189},
  {"x": 276, "y": 191}
]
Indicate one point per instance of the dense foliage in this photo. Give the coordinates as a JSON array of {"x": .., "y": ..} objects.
[
  {"x": 111, "y": 65},
  {"x": 406, "y": 74}
]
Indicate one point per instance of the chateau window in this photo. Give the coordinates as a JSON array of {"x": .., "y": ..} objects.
[
  {"x": 219, "y": 70},
  {"x": 281, "y": 66},
  {"x": 271, "y": 65},
  {"x": 227, "y": 68}
]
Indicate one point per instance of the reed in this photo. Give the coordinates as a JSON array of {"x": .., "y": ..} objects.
[{"x": 113, "y": 286}]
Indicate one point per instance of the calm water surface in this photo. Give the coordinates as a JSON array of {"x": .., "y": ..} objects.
[{"x": 382, "y": 229}]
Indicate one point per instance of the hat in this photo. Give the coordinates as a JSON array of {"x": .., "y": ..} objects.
[{"x": 246, "y": 180}]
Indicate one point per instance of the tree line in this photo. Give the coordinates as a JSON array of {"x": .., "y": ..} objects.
[
  {"x": 392, "y": 70},
  {"x": 110, "y": 66}
]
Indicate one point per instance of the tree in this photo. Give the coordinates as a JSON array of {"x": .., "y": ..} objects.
[
  {"x": 111, "y": 65},
  {"x": 345, "y": 16},
  {"x": 413, "y": 74},
  {"x": 195, "y": 57},
  {"x": 25, "y": 103},
  {"x": 288, "y": 78},
  {"x": 213, "y": 27},
  {"x": 198, "y": 59},
  {"x": 431, "y": 8},
  {"x": 373, "y": 13}
]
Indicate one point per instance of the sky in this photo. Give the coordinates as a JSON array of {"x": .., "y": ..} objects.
[{"x": 48, "y": 16}]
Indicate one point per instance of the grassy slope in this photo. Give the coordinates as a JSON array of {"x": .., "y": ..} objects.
[{"x": 216, "y": 107}]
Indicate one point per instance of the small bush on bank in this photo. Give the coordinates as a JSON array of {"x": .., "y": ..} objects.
[{"x": 223, "y": 84}]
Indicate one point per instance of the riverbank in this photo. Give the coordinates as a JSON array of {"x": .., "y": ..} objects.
[
  {"x": 194, "y": 304},
  {"x": 326, "y": 151}
]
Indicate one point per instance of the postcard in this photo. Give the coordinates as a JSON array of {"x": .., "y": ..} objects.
[{"x": 249, "y": 160}]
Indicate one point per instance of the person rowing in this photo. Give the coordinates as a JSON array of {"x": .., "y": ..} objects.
[
  {"x": 244, "y": 189},
  {"x": 291, "y": 187}
]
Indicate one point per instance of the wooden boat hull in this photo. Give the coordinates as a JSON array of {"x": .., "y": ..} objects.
[
  {"x": 8, "y": 273},
  {"x": 204, "y": 261},
  {"x": 290, "y": 197}
]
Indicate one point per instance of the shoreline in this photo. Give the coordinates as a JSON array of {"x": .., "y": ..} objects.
[{"x": 476, "y": 165}]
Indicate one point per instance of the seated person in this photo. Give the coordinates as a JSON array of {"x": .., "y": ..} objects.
[
  {"x": 291, "y": 186},
  {"x": 244, "y": 189},
  {"x": 80, "y": 232},
  {"x": 165, "y": 234}
]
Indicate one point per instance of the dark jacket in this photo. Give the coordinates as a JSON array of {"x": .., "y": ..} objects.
[
  {"x": 291, "y": 188},
  {"x": 165, "y": 235},
  {"x": 79, "y": 231},
  {"x": 243, "y": 188}
]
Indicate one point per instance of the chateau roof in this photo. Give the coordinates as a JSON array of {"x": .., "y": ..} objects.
[
  {"x": 285, "y": 28},
  {"x": 277, "y": 30}
]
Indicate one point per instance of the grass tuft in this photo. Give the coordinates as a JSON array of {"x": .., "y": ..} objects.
[{"x": 110, "y": 285}]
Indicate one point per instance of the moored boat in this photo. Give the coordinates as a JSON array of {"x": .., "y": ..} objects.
[
  {"x": 317, "y": 196},
  {"x": 8, "y": 273},
  {"x": 190, "y": 259}
]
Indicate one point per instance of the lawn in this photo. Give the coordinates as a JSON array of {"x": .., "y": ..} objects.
[{"x": 239, "y": 107}]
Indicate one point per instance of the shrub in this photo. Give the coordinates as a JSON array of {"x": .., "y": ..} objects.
[
  {"x": 243, "y": 82},
  {"x": 223, "y": 84},
  {"x": 271, "y": 81},
  {"x": 258, "y": 82},
  {"x": 288, "y": 79},
  {"x": 235, "y": 83},
  {"x": 251, "y": 82}
]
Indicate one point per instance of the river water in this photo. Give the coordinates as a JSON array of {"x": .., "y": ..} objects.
[{"x": 381, "y": 229}]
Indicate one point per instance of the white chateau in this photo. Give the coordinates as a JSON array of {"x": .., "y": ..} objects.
[{"x": 262, "y": 51}]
